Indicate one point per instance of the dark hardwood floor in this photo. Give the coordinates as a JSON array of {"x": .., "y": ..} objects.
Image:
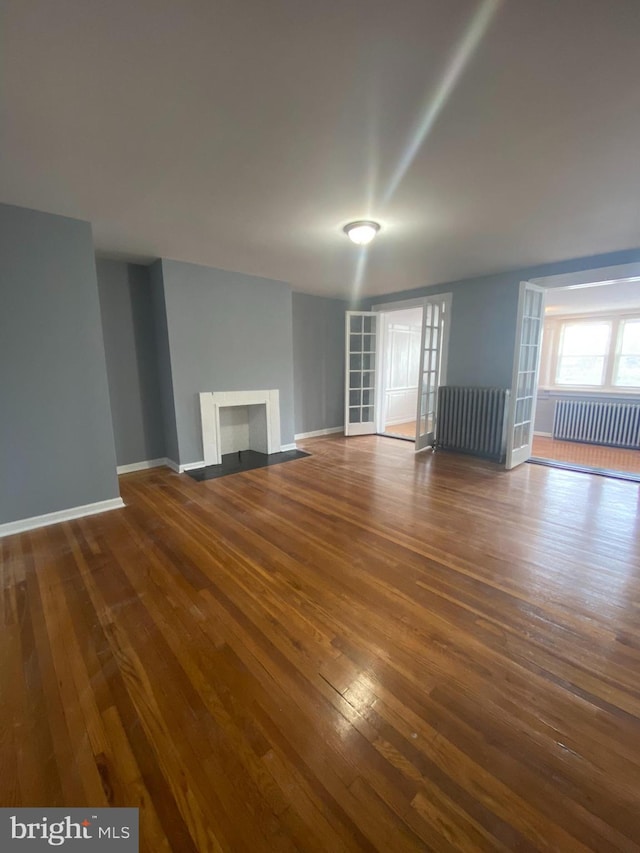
[{"x": 359, "y": 650}]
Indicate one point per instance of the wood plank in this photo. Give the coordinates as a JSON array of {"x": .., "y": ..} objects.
[{"x": 359, "y": 650}]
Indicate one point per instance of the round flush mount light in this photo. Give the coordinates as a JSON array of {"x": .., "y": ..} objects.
[{"x": 361, "y": 232}]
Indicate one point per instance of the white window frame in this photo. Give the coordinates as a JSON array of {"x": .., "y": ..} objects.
[
  {"x": 552, "y": 337},
  {"x": 605, "y": 373},
  {"x": 618, "y": 354}
]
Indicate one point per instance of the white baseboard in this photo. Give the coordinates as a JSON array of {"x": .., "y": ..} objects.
[
  {"x": 180, "y": 469},
  {"x": 318, "y": 432},
  {"x": 35, "y": 521},
  {"x": 190, "y": 466},
  {"x": 157, "y": 463},
  {"x": 545, "y": 434},
  {"x": 141, "y": 466}
]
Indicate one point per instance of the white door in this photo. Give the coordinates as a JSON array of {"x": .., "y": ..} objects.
[
  {"x": 360, "y": 372},
  {"x": 435, "y": 319},
  {"x": 526, "y": 363}
]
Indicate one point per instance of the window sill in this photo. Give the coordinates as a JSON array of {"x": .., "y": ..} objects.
[{"x": 573, "y": 391}]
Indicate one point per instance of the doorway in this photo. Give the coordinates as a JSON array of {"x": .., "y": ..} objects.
[
  {"x": 401, "y": 332},
  {"x": 588, "y": 414},
  {"x": 396, "y": 358}
]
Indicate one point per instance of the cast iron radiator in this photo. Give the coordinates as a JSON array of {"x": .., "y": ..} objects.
[
  {"x": 473, "y": 420},
  {"x": 598, "y": 422}
]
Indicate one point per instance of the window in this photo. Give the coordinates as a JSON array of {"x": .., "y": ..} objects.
[
  {"x": 601, "y": 353},
  {"x": 582, "y": 353},
  {"x": 627, "y": 369}
]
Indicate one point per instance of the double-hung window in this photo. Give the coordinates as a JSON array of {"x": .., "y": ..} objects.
[
  {"x": 600, "y": 353},
  {"x": 582, "y": 353},
  {"x": 627, "y": 363}
]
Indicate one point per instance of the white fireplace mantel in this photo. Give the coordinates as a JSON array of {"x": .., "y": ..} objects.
[{"x": 212, "y": 401}]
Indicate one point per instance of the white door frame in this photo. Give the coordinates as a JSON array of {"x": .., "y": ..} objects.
[
  {"x": 420, "y": 302},
  {"x": 388, "y": 308},
  {"x": 382, "y": 354},
  {"x": 381, "y": 382},
  {"x": 401, "y": 305}
]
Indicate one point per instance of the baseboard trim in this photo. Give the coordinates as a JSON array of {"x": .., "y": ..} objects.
[
  {"x": 544, "y": 434},
  {"x": 156, "y": 463},
  {"x": 316, "y": 433},
  {"x": 285, "y": 447},
  {"x": 190, "y": 466},
  {"x": 141, "y": 466},
  {"x": 24, "y": 524}
]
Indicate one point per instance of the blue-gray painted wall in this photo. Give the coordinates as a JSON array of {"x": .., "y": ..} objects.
[
  {"x": 318, "y": 362},
  {"x": 483, "y": 317},
  {"x": 132, "y": 363},
  {"x": 56, "y": 437},
  {"x": 163, "y": 354},
  {"x": 226, "y": 331}
]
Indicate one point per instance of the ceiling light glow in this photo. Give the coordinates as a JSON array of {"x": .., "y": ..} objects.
[{"x": 361, "y": 232}]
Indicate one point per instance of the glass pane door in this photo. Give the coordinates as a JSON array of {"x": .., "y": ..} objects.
[
  {"x": 432, "y": 336},
  {"x": 360, "y": 372},
  {"x": 525, "y": 374}
]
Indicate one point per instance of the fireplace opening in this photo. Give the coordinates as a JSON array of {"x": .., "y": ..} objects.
[
  {"x": 243, "y": 428},
  {"x": 235, "y": 421}
]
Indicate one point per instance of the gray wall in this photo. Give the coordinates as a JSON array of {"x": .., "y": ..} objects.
[
  {"x": 163, "y": 355},
  {"x": 132, "y": 365},
  {"x": 226, "y": 332},
  {"x": 483, "y": 317},
  {"x": 482, "y": 331},
  {"x": 318, "y": 362},
  {"x": 545, "y": 405},
  {"x": 56, "y": 438}
]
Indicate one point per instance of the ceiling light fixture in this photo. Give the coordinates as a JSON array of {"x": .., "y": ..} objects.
[{"x": 361, "y": 232}]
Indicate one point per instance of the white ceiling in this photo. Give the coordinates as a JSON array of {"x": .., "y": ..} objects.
[
  {"x": 616, "y": 296},
  {"x": 243, "y": 134}
]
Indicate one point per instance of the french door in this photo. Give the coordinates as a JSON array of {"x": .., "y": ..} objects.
[
  {"x": 363, "y": 334},
  {"x": 432, "y": 368},
  {"x": 362, "y": 328},
  {"x": 526, "y": 364}
]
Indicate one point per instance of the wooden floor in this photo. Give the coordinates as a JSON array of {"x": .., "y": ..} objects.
[
  {"x": 408, "y": 429},
  {"x": 358, "y": 650},
  {"x": 588, "y": 455}
]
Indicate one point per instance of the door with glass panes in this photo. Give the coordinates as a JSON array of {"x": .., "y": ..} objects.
[
  {"x": 363, "y": 330},
  {"x": 435, "y": 317},
  {"x": 360, "y": 372},
  {"x": 526, "y": 364}
]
